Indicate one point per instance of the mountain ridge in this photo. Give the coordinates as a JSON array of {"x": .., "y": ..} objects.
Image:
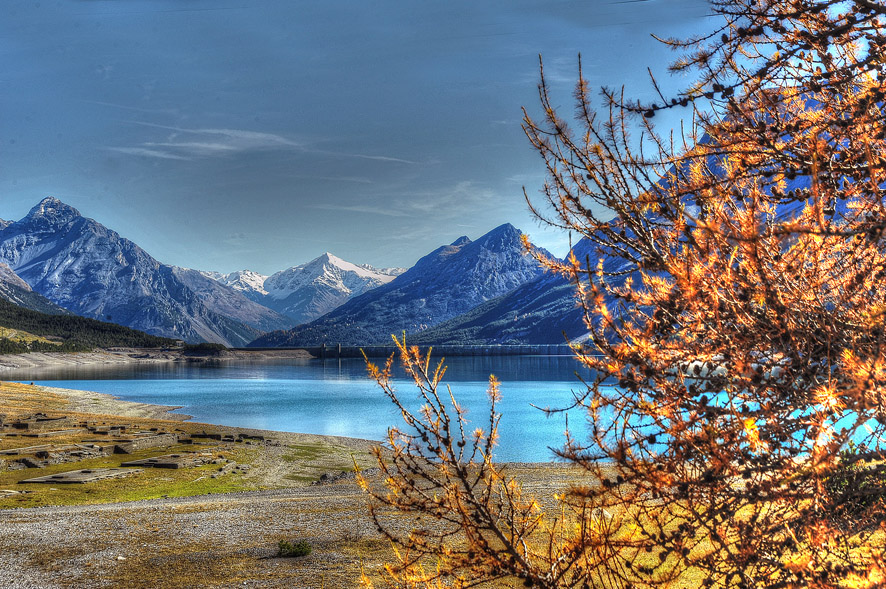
[
  {"x": 310, "y": 290},
  {"x": 446, "y": 282},
  {"x": 79, "y": 264}
]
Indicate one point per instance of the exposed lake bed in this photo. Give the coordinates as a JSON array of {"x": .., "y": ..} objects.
[{"x": 138, "y": 531}]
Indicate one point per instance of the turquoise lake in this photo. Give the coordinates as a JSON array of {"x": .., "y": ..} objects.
[{"x": 335, "y": 397}]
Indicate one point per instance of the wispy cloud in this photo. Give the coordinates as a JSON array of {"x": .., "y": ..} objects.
[
  {"x": 380, "y": 158},
  {"x": 448, "y": 201},
  {"x": 191, "y": 143},
  {"x": 195, "y": 146},
  {"x": 247, "y": 138},
  {"x": 350, "y": 179},
  {"x": 145, "y": 152},
  {"x": 184, "y": 143},
  {"x": 444, "y": 203},
  {"x": 386, "y": 211},
  {"x": 129, "y": 107},
  {"x": 364, "y": 156}
]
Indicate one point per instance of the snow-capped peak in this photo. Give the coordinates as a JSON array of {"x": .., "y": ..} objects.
[
  {"x": 362, "y": 270},
  {"x": 245, "y": 281},
  {"x": 331, "y": 271},
  {"x": 307, "y": 291}
]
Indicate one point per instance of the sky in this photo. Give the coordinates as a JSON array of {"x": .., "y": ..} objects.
[{"x": 231, "y": 134}]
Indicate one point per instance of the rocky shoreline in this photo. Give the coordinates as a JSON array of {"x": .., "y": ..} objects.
[{"x": 105, "y": 404}]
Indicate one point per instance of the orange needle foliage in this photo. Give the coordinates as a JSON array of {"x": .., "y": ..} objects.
[
  {"x": 737, "y": 414},
  {"x": 463, "y": 520}
]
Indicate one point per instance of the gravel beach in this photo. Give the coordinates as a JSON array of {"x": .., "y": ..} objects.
[{"x": 211, "y": 541}]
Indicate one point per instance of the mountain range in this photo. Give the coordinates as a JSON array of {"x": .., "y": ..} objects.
[
  {"x": 79, "y": 264},
  {"x": 304, "y": 293},
  {"x": 486, "y": 291},
  {"x": 451, "y": 280}
]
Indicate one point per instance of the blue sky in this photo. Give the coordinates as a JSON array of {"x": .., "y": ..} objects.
[{"x": 230, "y": 134}]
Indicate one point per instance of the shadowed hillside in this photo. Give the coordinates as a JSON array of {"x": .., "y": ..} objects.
[{"x": 72, "y": 332}]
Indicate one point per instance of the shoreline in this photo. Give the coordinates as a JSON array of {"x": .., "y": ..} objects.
[
  {"x": 123, "y": 356},
  {"x": 17, "y": 400},
  {"x": 106, "y": 404}
]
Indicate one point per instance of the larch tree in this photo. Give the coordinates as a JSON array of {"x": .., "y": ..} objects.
[{"x": 737, "y": 412}]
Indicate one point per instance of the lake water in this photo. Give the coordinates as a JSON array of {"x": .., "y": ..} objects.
[{"x": 335, "y": 397}]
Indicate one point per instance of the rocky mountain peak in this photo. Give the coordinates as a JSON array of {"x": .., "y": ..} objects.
[
  {"x": 80, "y": 264},
  {"x": 51, "y": 211},
  {"x": 506, "y": 228},
  {"x": 463, "y": 240},
  {"x": 503, "y": 236},
  {"x": 310, "y": 290}
]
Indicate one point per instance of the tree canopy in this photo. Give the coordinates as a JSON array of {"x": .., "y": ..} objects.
[{"x": 737, "y": 411}]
